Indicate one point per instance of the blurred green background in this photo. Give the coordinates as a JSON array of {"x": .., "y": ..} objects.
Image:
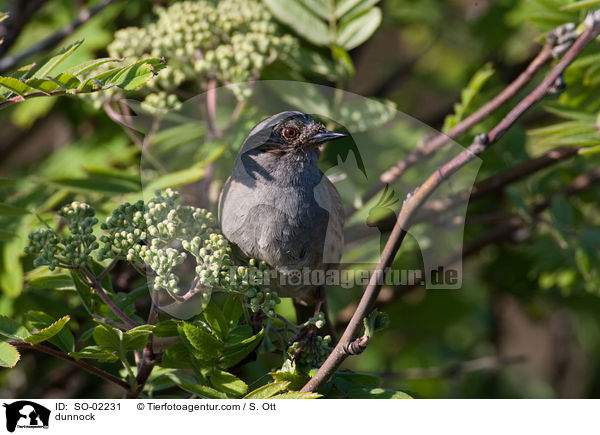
[{"x": 524, "y": 325}]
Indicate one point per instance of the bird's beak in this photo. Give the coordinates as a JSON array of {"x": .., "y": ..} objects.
[{"x": 326, "y": 136}]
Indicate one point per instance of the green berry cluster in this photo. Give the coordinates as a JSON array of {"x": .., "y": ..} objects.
[
  {"x": 312, "y": 354},
  {"x": 318, "y": 320},
  {"x": 70, "y": 250},
  {"x": 159, "y": 234},
  {"x": 230, "y": 41}
]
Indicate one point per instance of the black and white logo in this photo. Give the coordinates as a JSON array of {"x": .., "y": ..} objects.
[{"x": 26, "y": 414}]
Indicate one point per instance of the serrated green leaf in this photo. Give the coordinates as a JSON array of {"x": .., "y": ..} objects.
[
  {"x": 9, "y": 355},
  {"x": 95, "y": 352},
  {"x": 107, "y": 337},
  {"x": 166, "y": 328},
  {"x": 204, "y": 347},
  {"x": 63, "y": 339},
  {"x": 267, "y": 391},
  {"x": 233, "y": 310},
  {"x": 84, "y": 292},
  {"x": 67, "y": 81},
  {"x": 89, "y": 65},
  {"x": 11, "y": 210},
  {"x": 136, "y": 74},
  {"x": 56, "y": 60},
  {"x": 136, "y": 338},
  {"x": 356, "y": 29},
  {"x": 11, "y": 329},
  {"x": 228, "y": 383},
  {"x": 16, "y": 86},
  {"x": 44, "y": 85},
  {"x": 176, "y": 356},
  {"x": 215, "y": 319},
  {"x": 306, "y": 24},
  {"x": 191, "y": 385},
  {"x": 236, "y": 350},
  {"x": 48, "y": 332}
]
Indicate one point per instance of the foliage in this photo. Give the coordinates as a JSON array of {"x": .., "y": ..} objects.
[
  {"x": 71, "y": 176},
  {"x": 36, "y": 81}
]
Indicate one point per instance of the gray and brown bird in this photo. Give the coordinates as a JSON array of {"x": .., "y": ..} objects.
[{"x": 278, "y": 206}]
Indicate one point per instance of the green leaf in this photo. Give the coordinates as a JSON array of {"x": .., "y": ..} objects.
[
  {"x": 18, "y": 87},
  {"x": 175, "y": 179},
  {"x": 267, "y": 391},
  {"x": 89, "y": 65},
  {"x": 11, "y": 329},
  {"x": 63, "y": 339},
  {"x": 9, "y": 355},
  {"x": 318, "y": 7},
  {"x": 191, "y": 385},
  {"x": 136, "y": 338},
  {"x": 233, "y": 310},
  {"x": 95, "y": 352},
  {"x": 67, "y": 81},
  {"x": 301, "y": 20},
  {"x": 468, "y": 96},
  {"x": 214, "y": 317},
  {"x": 51, "y": 281},
  {"x": 11, "y": 210},
  {"x": 136, "y": 74},
  {"x": 84, "y": 292},
  {"x": 580, "y": 5},
  {"x": 107, "y": 336},
  {"x": 204, "y": 347},
  {"x": 176, "y": 356},
  {"x": 356, "y": 29},
  {"x": 343, "y": 6},
  {"x": 48, "y": 332},
  {"x": 166, "y": 328},
  {"x": 44, "y": 85},
  {"x": 236, "y": 351},
  {"x": 297, "y": 395},
  {"x": 97, "y": 184},
  {"x": 56, "y": 60},
  {"x": 228, "y": 383}
]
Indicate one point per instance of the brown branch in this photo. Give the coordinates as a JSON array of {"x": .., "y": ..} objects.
[
  {"x": 19, "y": 16},
  {"x": 82, "y": 18},
  {"x": 429, "y": 146},
  {"x": 421, "y": 194},
  {"x": 96, "y": 285},
  {"x": 81, "y": 364},
  {"x": 514, "y": 229}
]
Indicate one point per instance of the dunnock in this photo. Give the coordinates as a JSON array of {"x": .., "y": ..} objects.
[{"x": 277, "y": 206}]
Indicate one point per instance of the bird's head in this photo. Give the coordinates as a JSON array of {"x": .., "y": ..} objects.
[{"x": 289, "y": 132}]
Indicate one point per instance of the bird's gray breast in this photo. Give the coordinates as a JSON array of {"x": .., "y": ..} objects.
[{"x": 281, "y": 212}]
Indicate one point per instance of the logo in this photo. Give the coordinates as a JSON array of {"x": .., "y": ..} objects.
[{"x": 26, "y": 414}]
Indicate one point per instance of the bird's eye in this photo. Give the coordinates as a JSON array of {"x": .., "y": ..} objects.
[{"x": 289, "y": 132}]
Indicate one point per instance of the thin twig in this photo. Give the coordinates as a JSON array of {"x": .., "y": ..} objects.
[
  {"x": 82, "y": 364},
  {"x": 428, "y": 147},
  {"x": 83, "y": 17},
  {"x": 413, "y": 202},
  {"x": 96, "y": 285}
]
